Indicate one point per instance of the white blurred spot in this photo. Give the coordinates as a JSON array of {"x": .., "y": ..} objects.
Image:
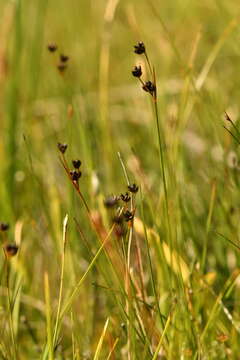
[
  {"x": 19, "y": 176},
  {"x": 217, "y": 153},
  {"x": 194, "y": 142},
  {"x": 95, "y": 183}
]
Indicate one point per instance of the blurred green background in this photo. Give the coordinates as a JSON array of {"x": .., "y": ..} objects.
[{"x": 99, "y": 109}]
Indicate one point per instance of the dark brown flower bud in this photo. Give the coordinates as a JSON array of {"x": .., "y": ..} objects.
[
  {"x": 64, "y": 58},
  {"x": 75, "y": 175},
  {"x": 128, "y": 215},
  {"x": 149, "y": 87},
  {"x": 76, "y": 163},
  {"x": 11, "y": 249},
  {"x": 133, "y": 188},
  {"x": 62, "y": 147},
  {"x": 4, "y": 227},
  {"x": 52, "y": 47},
  {"x": 62, "y": 67},
  {"x": 125, "y": 197},
  {"x": 137, "y": 71},
  {"x": 139, "y": 48}
]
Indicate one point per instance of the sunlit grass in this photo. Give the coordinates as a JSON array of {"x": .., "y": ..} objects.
[{"x": 155, "y": 277}]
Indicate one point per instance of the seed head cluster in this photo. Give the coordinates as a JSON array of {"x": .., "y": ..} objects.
[
  {"x": 9, "y": 248},
  {"x": 137, "y": 71},
  {"x": 125, "y": 197},
  {"x": 124, "y": 212},
  {"x": 148, "y": 86},
  {"x": 4, "y": 226},
  {"x": 52, "y": 47},
  {"x": 62, "y": 147},
  {"x": 139, "y": 48},
  {"x": 133, "y": 188},
  {"x": 74, "y": 174},
  {"x": 128, "y": 215},
  {"x": 76, "y": 164},
  {"x": 63, "y": 58}
]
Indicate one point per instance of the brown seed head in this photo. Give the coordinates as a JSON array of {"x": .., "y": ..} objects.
[
  {"x": 62, "y": 147},
  {"x": 52, "y": 47},
  {"x": 125, "y": 197},
  {"x": 139, "y": 48},
  {"x": 11, "y": 249},
  {"x": 128, "y": 215},
  {"x": 149, "y": 87},
  {"x": 62, "y": 67},
  {"x": 137, "y": 71},
  {"x": 4, "y": 226},
  {"x": 75, "y": 175},
  {"x": 76, "y": 163},
  {"x": 133, "y": 188},
  {"x": 64, "y": 58}
]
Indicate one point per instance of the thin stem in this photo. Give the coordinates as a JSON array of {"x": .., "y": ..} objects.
[
  {"x": 162, "y": 168},
  {"x": 127, "y": 285},
  {"x": 10, "y": 311},
  {"x": 50, "y": 345},
  {"x": 65, "y": 221},
  {"x": 151, "y": 268},
  {"x": 75, "y": 184},
  {"x": 160, "y": 143},
  {"x": 149, "y": 64}
]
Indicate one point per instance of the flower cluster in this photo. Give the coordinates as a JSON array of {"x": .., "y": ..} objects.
[
  {"x": 4, "y": 226},
  {"x": 123, "y": 211},
  {"x": 63, "y": 59},
  {"x": 148, "y": 86},
  {"x": 10, "y": 249},
  {"x": 74, "y": 174}
]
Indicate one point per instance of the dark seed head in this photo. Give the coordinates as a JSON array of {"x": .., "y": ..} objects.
[
  {"x": 75, "y": 175},
  {"x": 76, "y": 163},
  {"x": 133, "y": 188},
  {"x": 52, "y": 47},
  {"x": 62, "y": 67},
  {"x": 139, "y": 48},
  {"x": 128, "y": 215},
  {"x": 149, "y": 87},
  {"x": 125, "y": 197},
  {"x": 4, "y": 227},
  {"x": 111, "y": 201},
  {"x": 11, "y": 249},
  {"x": 62, "y": 147},
  {"x": 137, "y": 71},
  {"x": 64, "y": 58}
]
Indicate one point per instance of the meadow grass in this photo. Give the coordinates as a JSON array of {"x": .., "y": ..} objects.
[{"x": 88, "y": 271}]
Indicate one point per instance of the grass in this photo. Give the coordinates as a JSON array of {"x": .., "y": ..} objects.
[{"x": 96, "y": 276}]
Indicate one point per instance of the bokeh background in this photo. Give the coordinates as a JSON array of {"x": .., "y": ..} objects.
[{"x": 98, "y": 108}]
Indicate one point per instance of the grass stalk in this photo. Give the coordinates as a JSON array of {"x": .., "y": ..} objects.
[
  {"x": 50, "y": 345},
  {"x": 65, "y": 223}
]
